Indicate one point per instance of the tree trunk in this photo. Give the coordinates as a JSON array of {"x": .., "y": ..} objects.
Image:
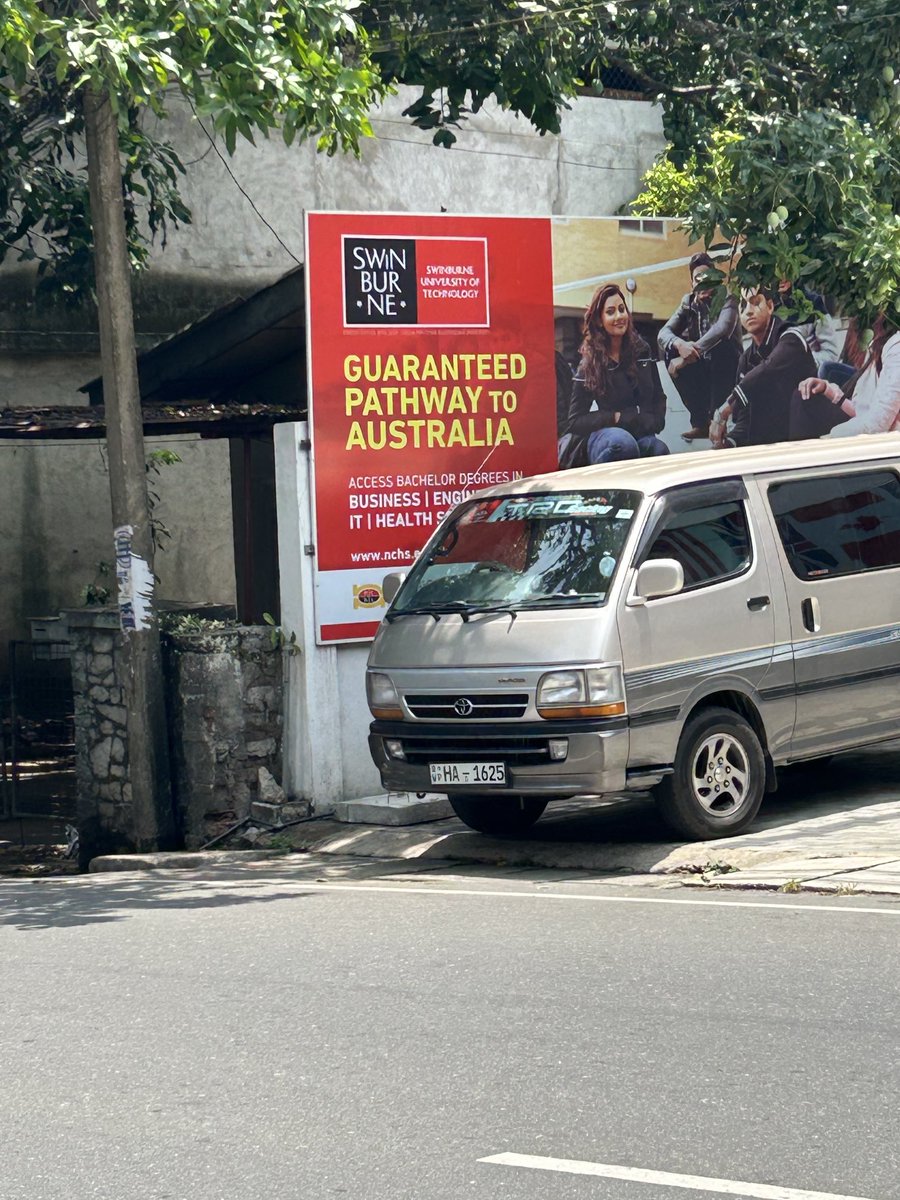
[{"x": 152, "y": 824}]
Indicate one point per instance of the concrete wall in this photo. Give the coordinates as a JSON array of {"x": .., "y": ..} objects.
[
  {"x": 326, "y": 718},
  {"x": 359, "y": 776},
  {"x": 56, "y": 526},
  {"x": 225, "y": 696},
  {"x": 498, "y": 166}
]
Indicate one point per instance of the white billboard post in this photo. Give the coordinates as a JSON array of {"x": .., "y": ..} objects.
[{"x": 324, "y": 743}]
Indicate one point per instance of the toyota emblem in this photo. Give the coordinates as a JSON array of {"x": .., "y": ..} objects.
[{"x": 463, "y": 707}]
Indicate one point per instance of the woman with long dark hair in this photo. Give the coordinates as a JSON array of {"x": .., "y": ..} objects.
[
  {"x": 868, "y": 403},
  {"x": 618, "y": 405}
]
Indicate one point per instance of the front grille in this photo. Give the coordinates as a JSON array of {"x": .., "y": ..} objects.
[
  {"x": 486, "y": 706},
  {"x": 515, "y": 751}
]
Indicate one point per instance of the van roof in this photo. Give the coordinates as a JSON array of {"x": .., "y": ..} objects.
[{"x": 650, "y": 475}]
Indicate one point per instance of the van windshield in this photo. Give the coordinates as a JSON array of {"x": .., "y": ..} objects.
[{"x": 518, "y": 552}]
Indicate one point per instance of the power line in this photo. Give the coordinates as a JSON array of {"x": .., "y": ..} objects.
[
  {"x": 503, "y": 154},
  {"x": 237, "y": 183},
  {"x": 474, "y": 31}
]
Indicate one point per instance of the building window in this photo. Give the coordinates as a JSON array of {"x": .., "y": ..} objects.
[{"x": 643, "y": 226}]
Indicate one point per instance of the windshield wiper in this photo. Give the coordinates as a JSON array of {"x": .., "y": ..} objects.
[
  {"x": 464, "y": 610},
  {"x": 433, "y": 610},
  {"x": 510, "y": 610},
  {"x": 558, "y": 597}
]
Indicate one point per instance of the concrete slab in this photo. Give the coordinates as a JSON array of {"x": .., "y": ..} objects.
[
  {"x": 841, "y": 875},
  {"x": 861, "y": 887},
  {"x": 882, "y": 878},
  {"x": 394, "y": 808},
  {"x": 799, "y": 870}
]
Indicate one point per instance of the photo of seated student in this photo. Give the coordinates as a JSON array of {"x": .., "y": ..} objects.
[
  {"x": 868, "y": 403},
  {"x": 701, "y": 347},
  {"x": 617, "y": 408},
  {"x": 777, "y": 359}
]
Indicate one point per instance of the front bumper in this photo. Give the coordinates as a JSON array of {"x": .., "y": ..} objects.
[{"x": 595, "y": 763}]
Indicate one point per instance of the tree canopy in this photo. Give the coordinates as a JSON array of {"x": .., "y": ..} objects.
[
  {"x": 247, "y": 66},
  {"x": 785, "y": 139},
  {"x": 782, "y": 116}
]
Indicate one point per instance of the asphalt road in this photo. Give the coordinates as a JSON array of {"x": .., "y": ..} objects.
[{"x": 326, "y": 1030}]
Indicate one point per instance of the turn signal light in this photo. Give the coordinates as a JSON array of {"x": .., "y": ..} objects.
[{"x": 584, "y": 710}]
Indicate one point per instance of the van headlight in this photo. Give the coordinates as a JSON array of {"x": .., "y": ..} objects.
[
  {"x": 384, "y": 703},
  {"x": 591, "y": 692}
]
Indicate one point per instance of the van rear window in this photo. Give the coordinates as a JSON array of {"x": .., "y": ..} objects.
[{"x": 839, "y": 524}]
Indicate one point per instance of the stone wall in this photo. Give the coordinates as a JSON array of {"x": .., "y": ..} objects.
[
  {"x": 224, "y": 700},
  {"x": 104, "y": 810},
  {"x": 225, "y": 714}
]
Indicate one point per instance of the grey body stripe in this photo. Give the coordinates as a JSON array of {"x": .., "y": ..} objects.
[
  {"x": 836, "y": 643},
  {"x": 760, "y": 656},
  {"x": 828, "y": 644}
]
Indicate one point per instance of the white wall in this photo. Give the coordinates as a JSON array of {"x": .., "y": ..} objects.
[{"x": 498, "y": 166}]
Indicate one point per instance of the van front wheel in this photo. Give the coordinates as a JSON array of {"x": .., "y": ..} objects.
[
  {"x": 719, "y": 778},
  {"x": 503, "y": 815}
]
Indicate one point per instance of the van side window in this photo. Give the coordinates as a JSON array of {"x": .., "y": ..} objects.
[
  {"x": 712, "y": 542},
  {"x": 839, "y": 524}
]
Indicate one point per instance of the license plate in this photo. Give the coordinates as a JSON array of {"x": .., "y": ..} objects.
[{"x": 468, "y": 772}]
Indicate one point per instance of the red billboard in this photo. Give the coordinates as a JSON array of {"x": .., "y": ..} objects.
[{"x": 431, "y": 370}]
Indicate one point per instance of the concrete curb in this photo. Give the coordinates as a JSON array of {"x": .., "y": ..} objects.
[
  {"x": 180, "y": 860},
  {"x": 846, "y": 875},
  {"x": 718, "y": 865}
]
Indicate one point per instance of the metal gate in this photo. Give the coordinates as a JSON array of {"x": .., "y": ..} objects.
[{"x": 37, "y": 733}]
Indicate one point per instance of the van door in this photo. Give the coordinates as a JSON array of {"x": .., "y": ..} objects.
[
  {"x": 839, "y": 538},
  {"x": 716, "y": 634}
]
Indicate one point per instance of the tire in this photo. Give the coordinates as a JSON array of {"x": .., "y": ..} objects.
[
  {"x": 705, "y": 799},
  {"x": 499, "y": 815}
]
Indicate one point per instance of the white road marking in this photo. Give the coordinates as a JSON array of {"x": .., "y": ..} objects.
[
  {"x": 696, "y": 1183},
  {"x": 403, "y": 889},
  {"x": 183, "y": 878}
]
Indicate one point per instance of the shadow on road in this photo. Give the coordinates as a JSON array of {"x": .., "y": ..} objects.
[{"x": 97, "y": 899}]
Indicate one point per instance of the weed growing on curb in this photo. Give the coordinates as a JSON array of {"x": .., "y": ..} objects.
[{"x": 278, "y": 841}]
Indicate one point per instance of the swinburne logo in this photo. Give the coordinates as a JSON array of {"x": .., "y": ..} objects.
[
  {"x": 367, "y": 595},
  {"x": 415, "y": 282}
]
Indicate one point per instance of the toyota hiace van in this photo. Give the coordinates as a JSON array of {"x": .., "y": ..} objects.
[{"x": 685, "y": 625}]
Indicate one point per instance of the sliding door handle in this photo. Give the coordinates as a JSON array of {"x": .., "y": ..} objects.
[
  {"x": 809, "y": 610},
  {"x": 758, "y": 603}
]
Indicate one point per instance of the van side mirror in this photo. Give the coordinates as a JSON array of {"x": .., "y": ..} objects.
[
  {"x": 390, "y": 585},
  {"x": 657, "y": 577}
]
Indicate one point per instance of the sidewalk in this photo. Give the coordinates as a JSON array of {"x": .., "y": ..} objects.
[
  {"x": 823, "y": 850},
  {"x": 833, "y": 829}
]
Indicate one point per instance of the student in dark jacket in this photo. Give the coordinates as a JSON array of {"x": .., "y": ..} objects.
[
  {"x": 769, "y": 370},
  {"x": 701, "y": 347},
  {"x": 618, "y": 405}
]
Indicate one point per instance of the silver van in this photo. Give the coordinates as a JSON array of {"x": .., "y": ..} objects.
[{"x": 685, "y": 624}]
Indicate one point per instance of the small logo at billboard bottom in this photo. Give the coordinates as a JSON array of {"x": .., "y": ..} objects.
[{"x": 367, "y": 595}]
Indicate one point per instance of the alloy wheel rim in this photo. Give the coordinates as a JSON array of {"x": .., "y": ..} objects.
[{"x": 720, "y": 774}]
